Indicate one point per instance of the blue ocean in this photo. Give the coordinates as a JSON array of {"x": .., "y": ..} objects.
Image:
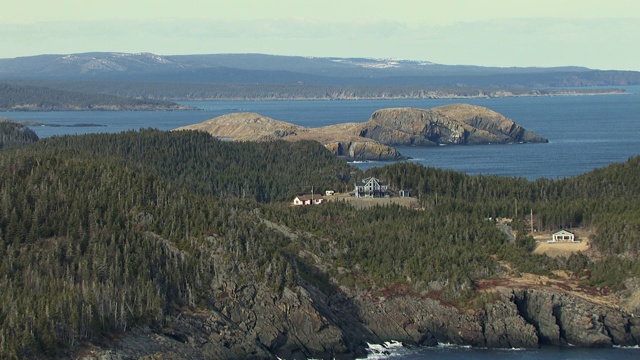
[
  {"x": 452, "y": 352},
  {"x": 584, "y": 132}
]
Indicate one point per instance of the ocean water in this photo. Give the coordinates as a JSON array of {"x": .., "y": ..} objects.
[
  {"x": 394, "y": 350},
  {"x": 584, "y": 132}
]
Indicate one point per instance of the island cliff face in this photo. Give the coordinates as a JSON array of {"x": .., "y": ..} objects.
[{"x": 458, "y": 124}]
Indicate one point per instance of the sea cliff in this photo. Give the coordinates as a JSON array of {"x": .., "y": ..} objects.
[{"x": 305, "y": 322}]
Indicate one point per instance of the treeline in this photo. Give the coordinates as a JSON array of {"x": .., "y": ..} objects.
[
  {"x": 262, "y": 171},
  {"x": 274, "y": 91},
  {"x": 100, "y": 233},
  {"x": 39, "y": 98},
  {"x": 103, "y": 232},
  {"x": 15, "y": 134}
]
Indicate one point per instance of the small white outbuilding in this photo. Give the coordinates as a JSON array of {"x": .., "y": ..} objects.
[{"x": 563, "y": 236}]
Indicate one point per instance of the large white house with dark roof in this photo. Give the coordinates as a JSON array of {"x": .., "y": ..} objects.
[{"x": 370, "y": 187}]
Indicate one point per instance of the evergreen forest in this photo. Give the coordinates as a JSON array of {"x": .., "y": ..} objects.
[
  {"x": 15, "y": 134},
  {"x": 102, "y": 233},
  {"x": 25, "y": 97},
  {"x": 275, "y": 89}
]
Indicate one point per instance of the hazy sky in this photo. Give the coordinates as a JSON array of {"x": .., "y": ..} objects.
[{"x": 598, "y": 34}]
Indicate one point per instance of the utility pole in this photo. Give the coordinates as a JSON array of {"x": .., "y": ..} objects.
[{"x": 532, "y": 221}]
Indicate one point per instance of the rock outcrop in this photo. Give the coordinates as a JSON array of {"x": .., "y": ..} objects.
[
  {"x": 339, "y": 139},
  {"x": 496, "y": 124},
  {"x": 566, "y": 320},
  {"x": 246, "y": 127},
  {"x": 304, "y": 322},
  {"x": 458, "y": 124},
  {"x": 363, "y": 150}
]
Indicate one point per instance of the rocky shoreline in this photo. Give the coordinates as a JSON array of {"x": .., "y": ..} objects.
[
  {"x": 304, "y": 322},
  {"x": 456, "y": 124}
]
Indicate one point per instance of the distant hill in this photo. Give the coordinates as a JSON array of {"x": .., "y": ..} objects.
[
  {"x": 38, "y": 98},
  {"x": 271, "y": 69}
]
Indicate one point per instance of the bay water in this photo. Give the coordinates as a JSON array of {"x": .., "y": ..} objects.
[
  {"x": 451, "y": 352},
  {"x": 584, "y": 132}
]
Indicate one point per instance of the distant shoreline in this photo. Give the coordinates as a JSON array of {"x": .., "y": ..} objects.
[
  {"x": 100, "y": 108},
  {"x": 502, "y": 94},
  {"x": 506, "y": 93}
]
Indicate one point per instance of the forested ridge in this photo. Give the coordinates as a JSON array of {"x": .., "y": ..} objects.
[
  {"x": 102, "y": 233},
  {"x": 15, "y": 134},
  {"x": 31, "y": 97},
  {"x": 194, "y": 91}
]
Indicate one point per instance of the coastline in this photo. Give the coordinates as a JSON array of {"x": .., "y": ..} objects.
[
  {"x": 428, "y": 95},
  {"x": 179, "y": 102}
]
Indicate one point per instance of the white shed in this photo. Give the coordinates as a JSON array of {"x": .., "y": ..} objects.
[{"x": 563, "y": 236}]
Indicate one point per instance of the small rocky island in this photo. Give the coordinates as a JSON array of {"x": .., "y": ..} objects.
[{"x": 457, "y": 124}]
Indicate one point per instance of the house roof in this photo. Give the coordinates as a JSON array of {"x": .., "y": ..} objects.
[
  {"x": 366, "y": 180},
  {"x": 309, "y": 197},
  {"x": 564, "y": 232}
]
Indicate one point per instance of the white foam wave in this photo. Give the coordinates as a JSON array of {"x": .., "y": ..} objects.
[
  {"x": 385, "y": 350},
  {"x": 453, "y": 346}
]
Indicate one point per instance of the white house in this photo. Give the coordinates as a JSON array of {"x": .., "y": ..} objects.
[
  {"x": 370, "y": 187},
  {"x": 314, "y": 199},
  {"x": 563, "y": 236}
]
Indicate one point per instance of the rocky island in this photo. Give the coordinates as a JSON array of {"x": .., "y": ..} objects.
[{"x": 457, "y": 124}]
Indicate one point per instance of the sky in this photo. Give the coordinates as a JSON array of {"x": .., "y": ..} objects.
[{"x": 600, "y": 34}]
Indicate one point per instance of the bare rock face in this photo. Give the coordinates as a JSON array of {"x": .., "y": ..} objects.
[
  {"x": 251, "y": 322},
  {"x": 339, "y": 139},
  {"x": 505, "y": 328},
  {"x": 364, "y": 150},
  {"x": 458, "y": 124},
  {"x": 562, "y": 320},
  {"x": 409, "y": 126},
  {"x": 427, "y": 322},
  {"x": 481, "y": 118}
]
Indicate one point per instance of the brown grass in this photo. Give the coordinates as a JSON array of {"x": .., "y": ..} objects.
[
  {"x": 562, "y": 249},
  {"x": 562, "y": 282},
  {"x": 409, "y": 202}
]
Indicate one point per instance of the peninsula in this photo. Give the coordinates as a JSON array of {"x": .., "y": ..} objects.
[
  {"x": 15, "y": 97},
  {"x": 155, "y": 244},
  {"x": 457, "y": 124}
]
